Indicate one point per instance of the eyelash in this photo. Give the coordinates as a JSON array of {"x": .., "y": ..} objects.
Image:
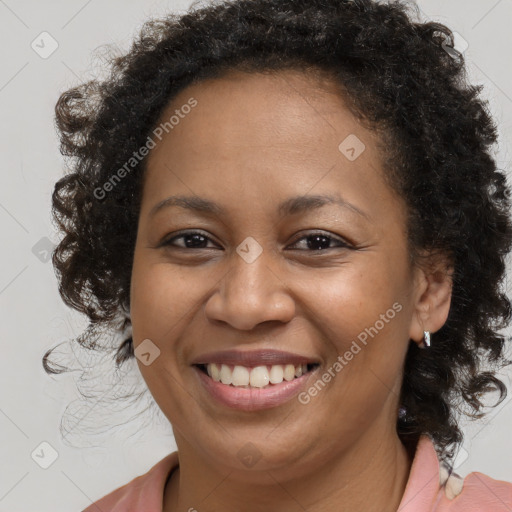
[{"x": 342, "y": 243}]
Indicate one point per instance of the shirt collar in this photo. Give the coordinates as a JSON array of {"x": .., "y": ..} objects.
[{"x": 423, "y": 485}]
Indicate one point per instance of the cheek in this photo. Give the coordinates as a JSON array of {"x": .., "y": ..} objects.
[
  {"x": 365, "y": 352},
  {"x": 356, "y": 296},
  {"x": 361, "y": 312},
  {"x": 161, "y": 297},
  {"x": 161, "y": 304}
]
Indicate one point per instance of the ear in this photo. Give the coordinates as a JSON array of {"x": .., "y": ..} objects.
[{"x": 432, "y": 295}]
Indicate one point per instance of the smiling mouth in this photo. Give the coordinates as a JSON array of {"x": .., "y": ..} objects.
[{"x": 259, "y": 377}]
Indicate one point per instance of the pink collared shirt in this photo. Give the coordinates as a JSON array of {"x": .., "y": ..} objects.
[{"x": 429, "y": 488}]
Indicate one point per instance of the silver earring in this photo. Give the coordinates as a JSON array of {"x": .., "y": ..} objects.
[{"x": 426, "y": 339}]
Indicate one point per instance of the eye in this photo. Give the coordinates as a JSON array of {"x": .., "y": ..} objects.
[
  {"x": 320, "y": 241},
  {"x": 191, "y": 240}
]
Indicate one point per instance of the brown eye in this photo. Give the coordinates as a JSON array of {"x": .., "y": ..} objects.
[
  {"x": 322, "y": 241},
  {"x": 191, "y": 240}
]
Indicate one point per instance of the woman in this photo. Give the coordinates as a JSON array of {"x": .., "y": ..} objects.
[{"x": 294, "y": 205}]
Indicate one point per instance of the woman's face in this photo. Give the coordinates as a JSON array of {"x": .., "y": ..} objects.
[{"x": 271, "y": 269}]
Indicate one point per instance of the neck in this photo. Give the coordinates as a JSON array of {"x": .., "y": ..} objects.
[{"x": 371, "y": 476}]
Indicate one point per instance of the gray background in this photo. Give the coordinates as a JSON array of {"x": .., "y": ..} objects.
[{"x": 33, "y": 317}]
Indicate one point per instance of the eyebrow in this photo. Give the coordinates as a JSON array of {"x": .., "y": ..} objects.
[{"x": 291, "y": 206}]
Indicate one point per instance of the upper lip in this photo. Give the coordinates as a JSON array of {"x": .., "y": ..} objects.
[{"x": 253, "y": 358}]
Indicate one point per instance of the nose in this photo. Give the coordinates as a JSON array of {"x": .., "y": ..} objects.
[{"x": 250, "y": 294}]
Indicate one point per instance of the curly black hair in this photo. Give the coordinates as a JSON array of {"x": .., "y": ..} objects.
[{"x": 400, "y": 76}]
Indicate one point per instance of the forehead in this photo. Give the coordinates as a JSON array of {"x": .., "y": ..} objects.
[
  {"x": 266, "y": 135},
  {"x": 287, "y": 108}
]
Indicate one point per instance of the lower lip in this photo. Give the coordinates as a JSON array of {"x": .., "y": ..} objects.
[{"x": 253, "y": 399}]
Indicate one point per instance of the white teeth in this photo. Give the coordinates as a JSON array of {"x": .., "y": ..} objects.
[
  {"x": 276, "y": 374},
  {"x": 225, "y": 374},
  {"x": 289, "y": 372},
  {"x": 257, "y": 377},
  {"x": 240, "y": 376},
  {"x": 215, "y": 372}
]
